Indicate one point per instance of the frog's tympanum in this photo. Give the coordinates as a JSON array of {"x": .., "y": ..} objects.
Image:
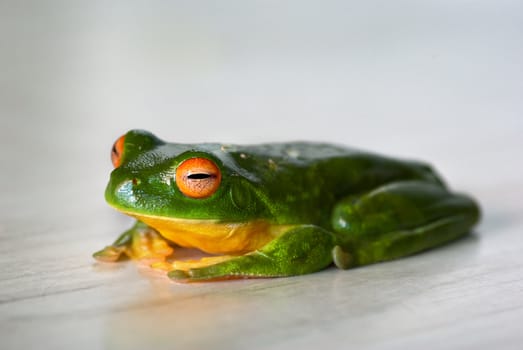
[{"x": 273, "y": 210}]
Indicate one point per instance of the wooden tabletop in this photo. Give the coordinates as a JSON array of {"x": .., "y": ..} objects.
[{"x": 440, "y": 82}]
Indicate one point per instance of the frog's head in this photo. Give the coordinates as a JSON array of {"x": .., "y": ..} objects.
[{"x": 152, "y": 177}]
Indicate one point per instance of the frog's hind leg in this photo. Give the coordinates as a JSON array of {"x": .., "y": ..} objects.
[
  {"x": 140, "y": 242},
  {"x": 300, "y": 250},
  {"x": 400, "y": 219}
]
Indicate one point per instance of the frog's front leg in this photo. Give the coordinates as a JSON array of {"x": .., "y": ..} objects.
[
  {"x": 139, "y": 242},
  {"x": 300, "y": 250}
]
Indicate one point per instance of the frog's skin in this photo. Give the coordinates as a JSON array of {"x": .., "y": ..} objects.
[{"x": 275, "y": 209}]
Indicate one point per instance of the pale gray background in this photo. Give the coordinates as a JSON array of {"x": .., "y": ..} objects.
[{"x": 436, "y": 80}]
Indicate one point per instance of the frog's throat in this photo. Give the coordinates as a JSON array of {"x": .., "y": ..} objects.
[{"x": 212, "y": 236}]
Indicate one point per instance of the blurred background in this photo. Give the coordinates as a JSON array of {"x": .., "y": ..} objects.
[{"x": 402, "y": 77}]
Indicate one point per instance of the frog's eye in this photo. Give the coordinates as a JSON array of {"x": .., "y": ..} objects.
[
  {"x": 198, "y": 177},
  {"x": 117, "y": 151}
]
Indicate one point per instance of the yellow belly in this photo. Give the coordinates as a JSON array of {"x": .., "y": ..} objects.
[{"x": 212, "y": 236}]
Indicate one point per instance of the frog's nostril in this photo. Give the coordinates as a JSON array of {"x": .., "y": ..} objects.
[{"x": 129, "y": 183}]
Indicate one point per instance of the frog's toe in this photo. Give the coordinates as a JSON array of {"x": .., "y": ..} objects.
[
  {"x": 179, "y": 275},
  {"x": 109, "y": 254},
  {"x": 202, "y": 275},
  {"x": 183, "y": 269},
  {"x": 341, "y": 258},
  {"x": 213, "y": 268},
  {"x": 149, "y": 245}
]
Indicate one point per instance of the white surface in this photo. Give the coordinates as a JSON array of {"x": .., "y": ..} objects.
[{"x": 440, "y": 81}]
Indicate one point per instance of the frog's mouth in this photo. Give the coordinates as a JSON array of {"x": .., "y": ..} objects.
[{"x": 213, "y": 236}]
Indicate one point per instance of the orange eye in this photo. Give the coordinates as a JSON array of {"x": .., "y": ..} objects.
[
  {"x": 117, "y": 151},
  {"x": 198, "y": 177}
]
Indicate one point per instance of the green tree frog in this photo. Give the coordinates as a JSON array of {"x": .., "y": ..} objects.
[{"x": 277, "y": 209}]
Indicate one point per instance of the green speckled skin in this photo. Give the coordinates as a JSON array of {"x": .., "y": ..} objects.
[{"x": 345, "y": 206}]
